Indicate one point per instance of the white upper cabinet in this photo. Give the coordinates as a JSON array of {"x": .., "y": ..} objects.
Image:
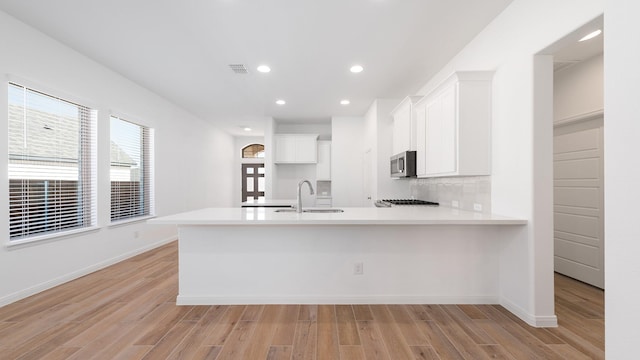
[
  {"x": 323, "y": 168},
  {"x": 404, "y": 132},
  {"x": 296, "y": 148},
  {"x": 453, "y": 125}
]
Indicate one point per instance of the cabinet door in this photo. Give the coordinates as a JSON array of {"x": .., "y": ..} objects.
[
  {"x": 421, "y": 139},
  {"x": 433, "y": 136},
  {"x": 323, "y": 169},
  {"x": 306, "y": 150},
  {"x": 285, "y": 149},
  {"x": 448, "y": 129}
]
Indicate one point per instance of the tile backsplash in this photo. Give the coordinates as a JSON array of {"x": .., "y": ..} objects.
[{"x": 467, "y": 191}]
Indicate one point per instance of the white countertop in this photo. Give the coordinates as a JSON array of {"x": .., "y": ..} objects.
[{"x": 408, "y": 215}]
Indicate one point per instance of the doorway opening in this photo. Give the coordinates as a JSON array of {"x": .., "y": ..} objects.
[{"x": 578, "y": 155}]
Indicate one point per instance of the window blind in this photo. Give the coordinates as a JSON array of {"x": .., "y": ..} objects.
[
  {"x": 131, "y": 170},
  {"x": 52, "y": 164}
]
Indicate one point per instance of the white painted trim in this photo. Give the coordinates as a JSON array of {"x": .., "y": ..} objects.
[
  {"x": 533, "y": 320},
  {"x": 79, "y": 273},
  {"x": 259, "y": 300},
  {"x": 579, "y": 118}
]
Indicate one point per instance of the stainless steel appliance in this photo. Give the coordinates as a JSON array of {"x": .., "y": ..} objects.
[
  {"x": 403, "y": 165},
  {"x": 404, "y": 202}
]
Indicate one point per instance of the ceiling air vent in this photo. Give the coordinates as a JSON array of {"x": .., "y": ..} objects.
[{"x": 239, "y": 68}]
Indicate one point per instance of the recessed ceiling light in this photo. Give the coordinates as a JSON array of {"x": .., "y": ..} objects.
[
  {"x": 356, "y": 68},
  {"x": 247, "y": 129},
  {"x": 591, "y": 35},
  {"x": 264, "y": 69},
  {"x": 345, "y": 102},
  {"x": 280, "y": 102}
]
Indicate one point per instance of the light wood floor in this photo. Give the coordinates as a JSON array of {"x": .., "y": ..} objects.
[{"x": 128, "y": 311}]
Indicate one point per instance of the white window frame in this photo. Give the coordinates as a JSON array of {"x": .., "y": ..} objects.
[
  {"x": 87, "y": 173},
  {"x": 147, "y": 172}
]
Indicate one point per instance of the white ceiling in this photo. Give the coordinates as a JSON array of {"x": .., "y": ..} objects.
[{"x": 181, "y": 49}]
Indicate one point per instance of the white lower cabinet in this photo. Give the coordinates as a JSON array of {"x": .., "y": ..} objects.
[
  {"x": 453, "y": 126},
  {"x": 296, "y": 148}
]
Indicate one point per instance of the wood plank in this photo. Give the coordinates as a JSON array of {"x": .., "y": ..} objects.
[
  {"x": 190, "y": 347},
  {"x": 465, "y": 344},
  {"x": 163, "y": 325},
  {"x": 467, "y": 325},
  {"x": 304, "y": 344},
  {"x": 308, "y": 313},
  {"x": 362, "y": 312},
  {"x": 512, "y": 345},
  {"x": 174, "y": 336},
  {"x": 424, "y": 353},
  {"x": 228, "y": 321},
  {"x": 497, "y": 352},
  {"x": 438, "y": 340},
  {"x": 206, "y": 353},
  {"x": 472, "y": 312},
  {"x": 328, "y": 344},
  {"x": 347, "y": 328},
  {"x": 391, "y": 334},
  {"x": 286, "y": 326},
  {"x": 372, "y": 342},
  {"x": 260, "y": 343},
  {"x": 237, "y": 341},
  {"x": 407, "y": 326},
  {"x": 568, "y": 352},
  {"x": 351, "y": 352},
  {"x": 252, "y": 313},
  {"x": 134, "y": 352},
  {"x": 280, "y": 352}
]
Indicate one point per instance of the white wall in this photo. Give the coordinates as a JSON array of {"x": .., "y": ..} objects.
[
  {"x": 347, "y": 152},
  {"x": 622, "y": 169},
  {"x": 192, "y": 158},
  {"x": 522, "y": 136},
  {"x": 239, "y": 143},
  {"x": 579, "y": 89},
  {"x": 379, "y": 138},
  {"x": 287, "y": 176}
]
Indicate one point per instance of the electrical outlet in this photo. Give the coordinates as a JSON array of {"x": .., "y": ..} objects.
[
  {"x": 358, "y": 268},
  {"x": 477, "y": 207},
  {"x": 455, "y": 203}
]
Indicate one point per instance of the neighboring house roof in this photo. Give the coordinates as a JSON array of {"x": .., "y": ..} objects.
[{"x": 41, "y": 128}]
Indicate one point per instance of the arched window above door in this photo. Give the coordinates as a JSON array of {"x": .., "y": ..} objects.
[{"x": 253, "y": 151}]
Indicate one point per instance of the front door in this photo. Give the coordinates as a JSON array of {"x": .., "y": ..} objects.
[{"x": 252, "y": 181}]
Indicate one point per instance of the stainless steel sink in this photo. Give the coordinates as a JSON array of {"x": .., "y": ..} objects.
[{"x": 321, "y": 211}]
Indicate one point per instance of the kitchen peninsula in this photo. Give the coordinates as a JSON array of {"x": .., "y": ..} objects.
[{"x": 361, "y": 255}]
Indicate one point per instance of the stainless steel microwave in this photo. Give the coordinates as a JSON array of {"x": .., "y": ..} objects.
[{"x": 403, "y": 165}]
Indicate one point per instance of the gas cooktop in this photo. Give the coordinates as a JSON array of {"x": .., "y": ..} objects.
[{"x": 400, "y": 202}]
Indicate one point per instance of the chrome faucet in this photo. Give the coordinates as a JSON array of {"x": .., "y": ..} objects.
[{"x": 299, "y": 207}]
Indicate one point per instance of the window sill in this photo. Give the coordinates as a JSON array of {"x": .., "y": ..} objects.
[
  {"x": 129, "y": 221},
  {"x": 49, "y": 237}
]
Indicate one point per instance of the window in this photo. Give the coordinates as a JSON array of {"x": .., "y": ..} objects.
[
  {"x": 131, "y": 170},
  {"x": 253, "y": 151},
  {"x": 52, "y": 164}
]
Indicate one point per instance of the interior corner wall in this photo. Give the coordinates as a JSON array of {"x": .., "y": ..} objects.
[
  {"x": 191, "y": 158},
  {"x": 508, "y": 46},
  {"x": 621, "y": 149},
  {"x": 347, "y": 153}
]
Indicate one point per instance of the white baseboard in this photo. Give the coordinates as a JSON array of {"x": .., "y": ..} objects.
[
  {"x": 259, "y": 300},
  {"x": 19, "y": 295},
  {"x": 533, "y": 320}
]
